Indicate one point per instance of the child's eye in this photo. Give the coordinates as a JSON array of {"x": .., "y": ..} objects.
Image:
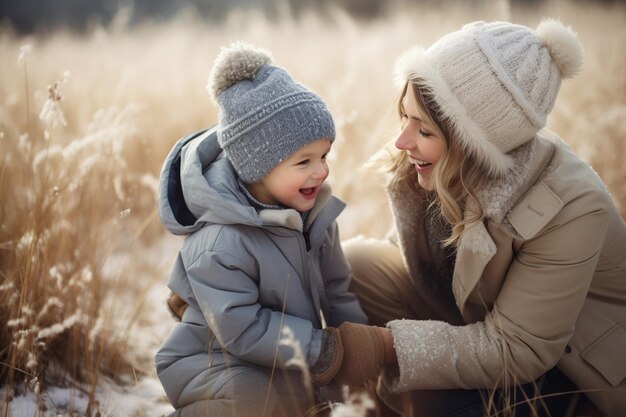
[
  {"x": 303, "y": 162},
  {"x": 324, "y": 156}
]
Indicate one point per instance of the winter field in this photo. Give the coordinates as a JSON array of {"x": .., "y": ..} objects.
[{"x": 86, "y": 121}]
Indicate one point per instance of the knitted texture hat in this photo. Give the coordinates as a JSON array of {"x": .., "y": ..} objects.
[
  {"x": 495, "y": 82},
  {"x": 264, "y": 115}
]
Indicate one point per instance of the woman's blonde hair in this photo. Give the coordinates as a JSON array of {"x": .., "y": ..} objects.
[{"x": 456, "y": 176}]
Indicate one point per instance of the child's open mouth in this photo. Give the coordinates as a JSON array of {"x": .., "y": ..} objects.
[{"x": 310, "y": 192}]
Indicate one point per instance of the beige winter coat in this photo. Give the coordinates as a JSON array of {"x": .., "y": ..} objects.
[{"x": 541, "y": 283}]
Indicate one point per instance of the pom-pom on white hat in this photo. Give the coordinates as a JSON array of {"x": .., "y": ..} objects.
[{"x": 495, "y": 83}]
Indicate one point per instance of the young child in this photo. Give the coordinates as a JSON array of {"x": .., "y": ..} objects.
[{"x": 262, "y": 251}]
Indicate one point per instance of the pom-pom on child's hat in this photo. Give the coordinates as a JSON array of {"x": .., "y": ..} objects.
[
  {"x": 264, "y": 115},
  {"x": 495, "y": 83}
]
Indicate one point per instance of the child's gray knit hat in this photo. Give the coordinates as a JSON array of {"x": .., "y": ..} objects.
[
  {"x": 264, "y": 115},
  {"x": 495, "y": 83}
]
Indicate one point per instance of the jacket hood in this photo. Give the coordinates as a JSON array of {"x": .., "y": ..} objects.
[{"x": 199, "y": 186}]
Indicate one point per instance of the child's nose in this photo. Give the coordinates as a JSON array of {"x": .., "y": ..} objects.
[{"x": 321, "y": 170}]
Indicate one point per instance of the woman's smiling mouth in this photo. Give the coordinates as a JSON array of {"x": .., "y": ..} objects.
[{"x": 419, "y": 164}]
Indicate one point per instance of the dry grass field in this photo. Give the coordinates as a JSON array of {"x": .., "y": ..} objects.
[{"x": 86, "y": 120}]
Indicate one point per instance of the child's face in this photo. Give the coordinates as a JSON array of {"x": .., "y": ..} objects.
[
  {"x": 423, "y": 146},
  {"x": 296, "y": 181}
]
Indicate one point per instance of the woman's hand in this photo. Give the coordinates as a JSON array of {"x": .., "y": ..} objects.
[
  {"x": 390, "y": 351},
  {"x": 363, "y": 353},
  {"x": 353, "y": 354}
]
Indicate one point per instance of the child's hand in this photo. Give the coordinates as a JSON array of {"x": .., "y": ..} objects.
[
  {"x": 177, "y": 306},
  {"x": 331, "y": 356}
]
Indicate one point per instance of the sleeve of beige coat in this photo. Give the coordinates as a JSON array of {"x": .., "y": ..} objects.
[{"x": 530, "y": 324}]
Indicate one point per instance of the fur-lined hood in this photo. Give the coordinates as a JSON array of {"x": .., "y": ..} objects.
[{"x": 495, "y": 83}]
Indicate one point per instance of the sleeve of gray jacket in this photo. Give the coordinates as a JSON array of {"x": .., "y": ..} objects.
[
  {"x": 336, "y": 273},
  {"x": 228, "y": 297}
]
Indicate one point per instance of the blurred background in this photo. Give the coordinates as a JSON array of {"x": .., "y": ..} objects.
[
  {"x": 29, "y": 15},
  {"x": 93, "y": 94}
]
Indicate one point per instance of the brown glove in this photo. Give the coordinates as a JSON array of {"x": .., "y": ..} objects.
[
  {"x": 363, "y": 357},
  {"x": 177, "y": 306},
  {"x": 331, "y": 356}
]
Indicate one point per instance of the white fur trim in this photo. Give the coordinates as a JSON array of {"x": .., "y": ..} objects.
[
  {"x": 239, "y": 61},
  {"x": 415, "y": 64},
  {"x": 323, "y": 196},
  {"x": 565, "y": 48},
  {"x": 402, "y": 71},
  {"x": 289, "y": 218}
]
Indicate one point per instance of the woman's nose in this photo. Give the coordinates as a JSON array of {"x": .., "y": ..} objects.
[{"x": 405, "y": 141}]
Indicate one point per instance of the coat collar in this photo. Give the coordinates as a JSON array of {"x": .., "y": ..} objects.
[
  {"x": 499, "y": 196},
  {"x": 498, "y": 199}
]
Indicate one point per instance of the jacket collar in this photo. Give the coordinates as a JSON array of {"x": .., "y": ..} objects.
[{"x": 291, "y": 218}]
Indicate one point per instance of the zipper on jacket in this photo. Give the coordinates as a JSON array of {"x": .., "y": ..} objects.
[
  {"x": 307, "y": 275},
  {"x": 305, "y": 270}
]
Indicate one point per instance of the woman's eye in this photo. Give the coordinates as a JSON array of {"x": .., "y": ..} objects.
[{"x": 425, "y": 133}]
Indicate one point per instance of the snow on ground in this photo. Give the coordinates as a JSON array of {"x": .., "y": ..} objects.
[{"x": 144, "y": 397}]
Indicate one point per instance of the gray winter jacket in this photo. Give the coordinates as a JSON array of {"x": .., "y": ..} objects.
[{"x": 244, "y": 274}]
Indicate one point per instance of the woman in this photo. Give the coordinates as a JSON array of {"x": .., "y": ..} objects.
[{"x": 508, "y": 258}]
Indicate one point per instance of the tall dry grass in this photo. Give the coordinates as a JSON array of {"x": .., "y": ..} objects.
[
  {"x": 65, "y": 203},
  {"x": 77, "y": 180}
]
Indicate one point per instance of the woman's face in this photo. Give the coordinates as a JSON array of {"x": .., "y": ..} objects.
[{"x": 424, "y": 147}]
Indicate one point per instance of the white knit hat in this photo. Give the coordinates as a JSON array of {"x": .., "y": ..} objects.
[{"x": 495, "y": 82}]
